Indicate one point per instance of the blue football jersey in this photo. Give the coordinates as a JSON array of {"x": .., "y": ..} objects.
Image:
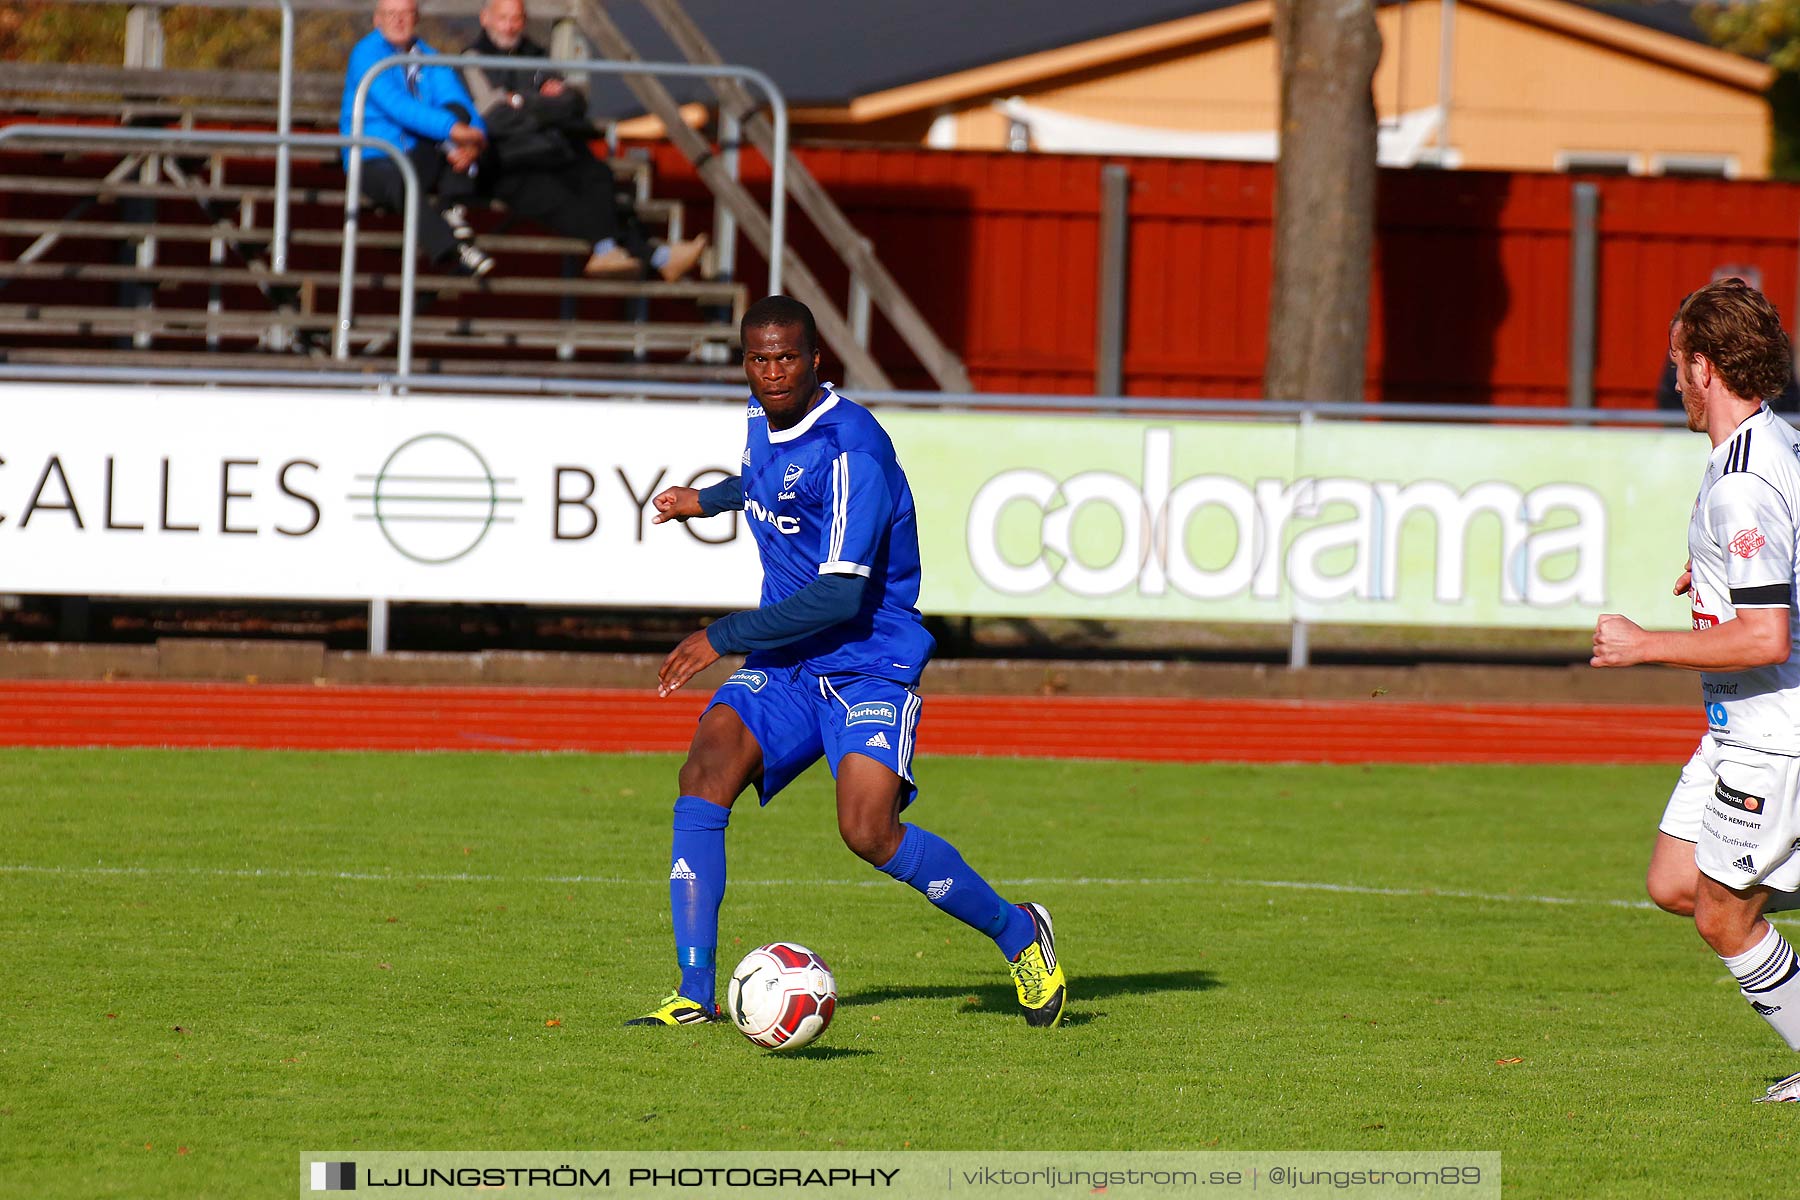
[{"x": 829, "y": 497}]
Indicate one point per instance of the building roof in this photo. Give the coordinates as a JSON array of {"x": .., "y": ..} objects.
[
  {"x": 829, "y": 52},
  {"x": 1665, "y": 16},
  {"x": 901, "y": 55}
]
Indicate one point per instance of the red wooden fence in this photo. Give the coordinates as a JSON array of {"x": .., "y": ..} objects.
[{"x": 1470, "y": 300}]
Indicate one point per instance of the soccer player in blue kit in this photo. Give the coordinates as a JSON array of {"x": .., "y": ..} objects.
[{"x": 835, "y": 653}]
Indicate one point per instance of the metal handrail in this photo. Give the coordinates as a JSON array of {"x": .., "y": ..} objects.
[
  {"x": 222, "y": 137},
  {"x": 603, "y": 66},
  {"x": 543, "y": 387},
  {"x": 284, "y": 125}
]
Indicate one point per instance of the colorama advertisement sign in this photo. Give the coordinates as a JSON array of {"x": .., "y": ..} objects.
[{"x": 292, "y": 494}]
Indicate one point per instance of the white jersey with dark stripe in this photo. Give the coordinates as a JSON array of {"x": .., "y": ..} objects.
[
  {"x": 828, "y": 497},
  {"x": 1742, "y": 542}
]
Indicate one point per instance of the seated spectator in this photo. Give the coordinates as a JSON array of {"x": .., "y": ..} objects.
[
  {"x": 426, "y": 113},
  {"x": 539, "y": 163}
]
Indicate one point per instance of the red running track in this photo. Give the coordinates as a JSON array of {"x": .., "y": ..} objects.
[{"x": 331, "y": 717}]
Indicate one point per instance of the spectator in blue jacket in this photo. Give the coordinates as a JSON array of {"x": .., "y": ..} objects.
[{"x": 427, "y": 113}]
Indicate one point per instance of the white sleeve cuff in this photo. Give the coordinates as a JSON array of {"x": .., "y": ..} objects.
[{"x": 843, "y": 568}]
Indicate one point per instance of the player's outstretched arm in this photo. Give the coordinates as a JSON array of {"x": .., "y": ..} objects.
[{"x": 1756, "y": 637}]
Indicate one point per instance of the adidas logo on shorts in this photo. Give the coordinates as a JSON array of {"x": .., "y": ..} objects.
[
  {"x": 880, "y": 739},
  {"x": 1745, "y": 863},
  {"x": 681, "y": 870},
  {"x": 1767, "y": 1010}
]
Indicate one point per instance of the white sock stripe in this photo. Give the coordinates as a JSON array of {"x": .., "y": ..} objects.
[
  {"x": 1770, "y": 981},
  {"x": 1770, "y": 984},
  {"x": 1774, "y": 970},
  {"x": 1757, "y": 956}
]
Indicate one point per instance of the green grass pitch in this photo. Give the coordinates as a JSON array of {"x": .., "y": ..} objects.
[{"x": 210, "y": 962}]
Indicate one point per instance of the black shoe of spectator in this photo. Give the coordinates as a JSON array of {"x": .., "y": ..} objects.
[{"x": 472, "y": 261}]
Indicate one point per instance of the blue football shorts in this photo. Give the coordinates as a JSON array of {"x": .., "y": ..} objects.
[{"x": 798, "y": 717}]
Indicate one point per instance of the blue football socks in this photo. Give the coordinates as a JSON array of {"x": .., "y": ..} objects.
[
  {"x": 929, "y": 864},
  {"x": 696, "y": 887}
]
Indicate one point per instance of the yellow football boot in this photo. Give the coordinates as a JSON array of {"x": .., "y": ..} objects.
[{"x": 1037, "y": 975}]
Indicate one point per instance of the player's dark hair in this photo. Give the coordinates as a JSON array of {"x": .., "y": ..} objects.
[
  {"x": 779, "y": 310},
  {"x": 1739, "y": 331}
]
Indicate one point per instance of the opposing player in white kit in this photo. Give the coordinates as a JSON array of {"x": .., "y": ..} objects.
[{"x": 1730, "y": 838}]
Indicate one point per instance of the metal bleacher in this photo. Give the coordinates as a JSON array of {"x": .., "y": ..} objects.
[
  {"x": 195, "y": 259},
  {"x": 144, "y": 257}
]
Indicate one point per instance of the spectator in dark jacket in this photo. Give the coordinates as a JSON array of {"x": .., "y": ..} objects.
[{"x": 539, "y": 163}]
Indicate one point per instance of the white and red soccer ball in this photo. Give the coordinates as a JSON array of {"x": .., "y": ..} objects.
[{"x": 781, "y": 996}]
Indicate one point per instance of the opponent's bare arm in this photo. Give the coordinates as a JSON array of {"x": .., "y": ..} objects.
[
  {"x": 1756, "y": 637},
  {"x": 1686, "y": 580}
]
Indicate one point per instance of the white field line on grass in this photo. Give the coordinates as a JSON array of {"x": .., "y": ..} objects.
[{"x": 1034, "y": 881}]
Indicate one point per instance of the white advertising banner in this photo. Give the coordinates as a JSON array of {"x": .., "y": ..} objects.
[
  {"x": 320, "y": 495},
  {"x": 316, "y": 495}
]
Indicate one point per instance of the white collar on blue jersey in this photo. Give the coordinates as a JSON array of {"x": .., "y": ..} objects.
[{"x": 776, "y": 437}]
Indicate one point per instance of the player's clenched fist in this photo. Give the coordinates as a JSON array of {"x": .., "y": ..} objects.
[
  {"x": 676, "y": 504},
  {"x": 1618, "y": 642}
]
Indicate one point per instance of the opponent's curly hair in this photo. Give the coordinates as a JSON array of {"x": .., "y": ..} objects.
[{"x": 1739, "y": 331}]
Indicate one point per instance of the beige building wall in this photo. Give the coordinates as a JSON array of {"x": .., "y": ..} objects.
[{"x": 1525, "y": 94}]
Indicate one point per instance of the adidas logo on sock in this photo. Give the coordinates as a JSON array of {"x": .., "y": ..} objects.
[
  {"x": 939, "y": 888},
  {"x": 681, "y": 870},
  {"x": 1767, "y": 1010},
  {"x": 1745, "y": 863},
  {"x": 880, "y": 739}
]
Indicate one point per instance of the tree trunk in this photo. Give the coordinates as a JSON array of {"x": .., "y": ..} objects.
[{"x": 1324, "y": 200}]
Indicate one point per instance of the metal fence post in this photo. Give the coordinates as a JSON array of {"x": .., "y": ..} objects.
[
  {"x": 1115, "y": 248},
  {"x": 144, "y": 42},
  {"x": 1584, "y": 279},
  {"x": 731, "y": 134},
  {"x": 284, "y": 125},
  {"x": 859, "y": 308},
  {"x": 378, "y": 625}
]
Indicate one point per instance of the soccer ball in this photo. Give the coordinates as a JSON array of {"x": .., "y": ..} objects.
[{"x": 781, "y": 996}]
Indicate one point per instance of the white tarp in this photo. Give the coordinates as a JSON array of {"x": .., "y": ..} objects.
[{"x": 1398, "y": 144}]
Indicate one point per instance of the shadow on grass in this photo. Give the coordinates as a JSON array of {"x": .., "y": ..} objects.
[
  {"x": 823, "y": 1052},
  {"x": 1001, "y": 1000}
]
